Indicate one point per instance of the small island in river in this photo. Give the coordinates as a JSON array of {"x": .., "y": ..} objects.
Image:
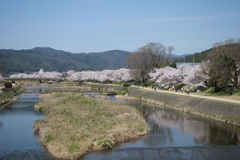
[{"x": 75, "y": 124}]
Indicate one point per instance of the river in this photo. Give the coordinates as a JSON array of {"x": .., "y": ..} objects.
[
  {"x": 17, "y": 138},
  {"x": 172, "y": 134}
]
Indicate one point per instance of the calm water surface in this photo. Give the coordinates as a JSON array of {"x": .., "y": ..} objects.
[
  {"x": 16, "y": 125},
  {"x": 169, "y": 128},
  {"x": 17, "y": 138}
]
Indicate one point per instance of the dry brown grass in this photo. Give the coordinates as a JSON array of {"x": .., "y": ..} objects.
[{"x": 75, "y": 124}]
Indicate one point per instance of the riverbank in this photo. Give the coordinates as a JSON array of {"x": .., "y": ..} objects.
[
  {"x": 76, "y": 124},
  {"x": 220, "y": 109},
  {"x": 10, "y": 95}
]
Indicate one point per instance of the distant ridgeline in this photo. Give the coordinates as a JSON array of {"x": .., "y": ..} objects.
[
  {"x": 56, "y": 60},
  {"x": 194, "y": 58},
  {"x": 32, "y": 60}
]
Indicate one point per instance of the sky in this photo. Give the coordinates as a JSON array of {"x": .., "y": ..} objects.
[{"x": 84, "y": 26}]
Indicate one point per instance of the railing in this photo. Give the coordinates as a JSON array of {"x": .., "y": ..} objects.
[
  {"x": 7, "y": 78},
  {"x": 36, "y": 87}
]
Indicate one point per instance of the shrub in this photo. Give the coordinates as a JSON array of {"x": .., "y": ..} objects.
[
  {"x": 42, "y": 110},
  {"x": 8, "y": 85},
  {"x": 123, "y": 92},
  {"x": 104, "y": 93},
  {"x": 126, "y": 84}
]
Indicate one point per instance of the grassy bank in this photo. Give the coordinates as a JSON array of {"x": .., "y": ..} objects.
[
  {"x": 75, "y": 124},
  {"x": 9, "y": 94}
]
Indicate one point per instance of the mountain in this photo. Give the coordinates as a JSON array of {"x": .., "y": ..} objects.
[
  {"x": 49, "y": 59},
  {"x": 174, "y": 56}
]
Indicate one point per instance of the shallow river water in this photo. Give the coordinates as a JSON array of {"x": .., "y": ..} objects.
[{"x": 172, "y": 133}]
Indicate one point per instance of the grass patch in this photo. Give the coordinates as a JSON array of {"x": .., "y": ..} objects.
[
  {"x": 74, "y": 148},
  {"x": 37, "y": 121},
  {"x": 48, "y": 138},
  {"x": 42, "y": 109},
  {"x": 123, "y": 93},
  {"x": 10, "y": 95},
  {"x": 76, "y": 123}
]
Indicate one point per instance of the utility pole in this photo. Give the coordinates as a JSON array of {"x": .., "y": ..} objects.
[{"x": 193, "y": 59}]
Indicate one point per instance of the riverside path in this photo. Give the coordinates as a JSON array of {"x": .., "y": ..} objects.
[{"x": 197, "y": 95}]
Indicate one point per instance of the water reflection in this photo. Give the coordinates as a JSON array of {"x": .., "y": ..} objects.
[{"x": 173, "y": 128}]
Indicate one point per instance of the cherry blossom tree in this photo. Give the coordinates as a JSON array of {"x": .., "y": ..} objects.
[
  {"x": 70, "y": 72},
  {"x": 103, "y": 76},
  {"x": 193, "y": 76},
  {"x": 165, "y": 76},
  {"x": 37, "y": 75},
  {"x": 19, "y": 75},
  {"x": 127, "y": 75}
]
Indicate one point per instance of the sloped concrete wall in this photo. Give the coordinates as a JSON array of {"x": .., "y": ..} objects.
[
  {"x": 106, "y": 87},
  {"x": 227, "y": 112}
]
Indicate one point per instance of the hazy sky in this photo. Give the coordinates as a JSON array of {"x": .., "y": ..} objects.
[{"x": 100, "y": 25}]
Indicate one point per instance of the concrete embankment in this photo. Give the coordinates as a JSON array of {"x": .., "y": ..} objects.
[{"x": 221, "y": 111}]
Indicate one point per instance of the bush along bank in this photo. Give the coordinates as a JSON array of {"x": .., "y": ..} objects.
[
  {"x": 8, "y": 95},
  {"x": 221, "y": 111},
  {"x": 75, "y": 124}
]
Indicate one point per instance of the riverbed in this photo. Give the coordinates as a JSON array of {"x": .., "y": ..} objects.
[{"x": 172, "y": 134}]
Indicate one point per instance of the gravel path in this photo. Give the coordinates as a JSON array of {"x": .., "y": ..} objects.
[{"x": 195, "y": 95}]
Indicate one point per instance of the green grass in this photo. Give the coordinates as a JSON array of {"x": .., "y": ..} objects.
[
  {"x": 1, "y": 84},
  {"x": 74, "y": 148},
  {"x": 123, "y": 92},
  {"x": 10, "y": 95},
  {"x": 48, "y": 138},
  {"x": 42, "y": 110}
]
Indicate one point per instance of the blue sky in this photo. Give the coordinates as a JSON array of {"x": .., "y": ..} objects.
[{"x": 99, "y": 25}]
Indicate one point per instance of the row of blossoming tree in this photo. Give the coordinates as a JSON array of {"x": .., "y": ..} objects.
[
  {"x": 37, "y": 75},
  {"x": 193, "y": 76}
]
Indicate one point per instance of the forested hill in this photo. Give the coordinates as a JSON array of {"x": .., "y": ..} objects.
[
  {"x": 56, "y": 60},
  {"x": 196, "y": 57}
]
